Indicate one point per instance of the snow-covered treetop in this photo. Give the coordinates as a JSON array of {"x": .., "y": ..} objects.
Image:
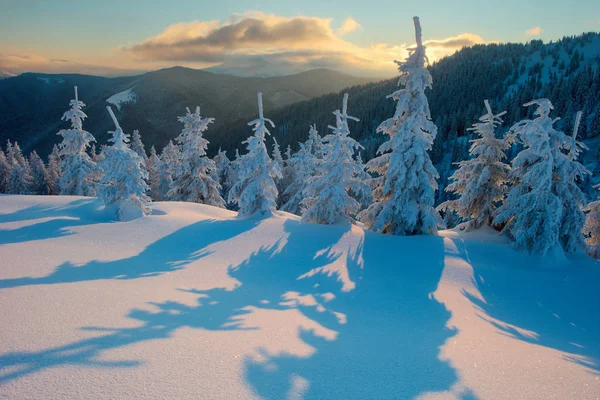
[
  {"x": 342, "y": 118},
  {"x": 544, "y": 109},
  {"x": 76, "y": 140},
  {"x": 75, "y": 114},
  {"x": 259, "y": 124},
  {"x": 119, "y": 138},
  {"x": 414, "y": 65},
  {"x": 191, "y": 136},
  {"x": 578, "y": 146},
  {"x": 489, "y": 120}
]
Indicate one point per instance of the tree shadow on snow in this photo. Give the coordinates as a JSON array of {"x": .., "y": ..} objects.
[
  {"x": 559, "y": 309},
  {"x": 387, "y": 343},
  {"x": 167, "y": 254},
  {"x": 366, "y": 312},
  {"x": 56, "y": 220}
]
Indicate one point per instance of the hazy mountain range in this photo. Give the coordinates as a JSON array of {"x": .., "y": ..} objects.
[{"x": 31, "y": 104}]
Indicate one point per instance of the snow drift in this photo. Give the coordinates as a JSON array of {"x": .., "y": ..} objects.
[{"x": 191, "y": 302}]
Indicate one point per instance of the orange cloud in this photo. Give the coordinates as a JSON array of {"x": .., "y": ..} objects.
[
  {"x": 303, "y": 42},
  {"x": 18, "y": 63},
  {"x": 348, "y": 26},
  {"x": 536, "y": 31},
  {"x": 248, "y": 44}
]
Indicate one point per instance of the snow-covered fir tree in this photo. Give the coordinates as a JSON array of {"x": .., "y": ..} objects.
[
  {"x": 231, "y": 176},
  {"x": 538, "y": 213},
  {"x": 405, "y": 183},
  {"x": 4, "y": 172},
  {"x": 168, "y": 166},
  {"x": 256, "y": 191},
  {"x": 303, "y": 165},
  {"x": 54, "y": 171},
  {"x": 94, "y": 154},
  {"x": 138, "y": 146},
  {"x": 19, "y": 181},
  {"x": 592, "y": 226},
  {"x": 480, "y": 181},
  {"x": 328, "y": 197},
  {"x": 42, "y": 184},
  {"x": 123, "y": 185},
  {"x": 194, "y": 181},
  {"x": 222, "y": 163},
  {"x": 280, "y": 182},
  {"x": 77, "y": 167},
  {"x": 276, "y": 153},
  {"x": 10, "y": 153},
  {"x": 20, "y": 158},
  {"x": 154, "y": 168},
  {"x": 316, "y": 142}
]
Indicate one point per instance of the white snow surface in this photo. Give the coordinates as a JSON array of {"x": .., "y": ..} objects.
[
  {"x": 192, "y": 302},
  {"x": 124, "y": 97}
]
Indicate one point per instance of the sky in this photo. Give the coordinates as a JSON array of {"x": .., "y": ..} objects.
[{"x": 111, "y": 37}]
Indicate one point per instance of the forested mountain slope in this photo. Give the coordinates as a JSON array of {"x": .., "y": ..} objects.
[
  {"x": 509, "y": 75},
  {"x": 31, "y": 105}
]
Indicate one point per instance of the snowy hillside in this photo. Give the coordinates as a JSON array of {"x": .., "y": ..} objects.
[
  {"x": 192, "y": 302},
  {"x": 124, "y": 97}
]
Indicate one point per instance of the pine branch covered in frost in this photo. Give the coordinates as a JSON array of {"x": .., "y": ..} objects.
[
  {"x": 123, "y": 183},
  {"x": 138, "y": 146},
  {"x": 256, "y": 191},
  {"x": 303, "y": 166},
  {"x": 222, "y": 163},
  {"x": 480, "y": 181},
  {"x": 194, "y": 180},
  {"x": 4, "y": 172},
  {"x": 19, "y": 181},
  {"x": 54, "y": 170},
  {"x": 77, "y": 167},
  {"x": 169, "y": 165},
  {"x": 42, "y": 184},
  {"x": 327, "y": 195},
  {"x": 405, "y": 183},
  {"x": 542, "y": 209},
  {"x": 592, "y": 226},
  {"x": 154, "y": 167}
]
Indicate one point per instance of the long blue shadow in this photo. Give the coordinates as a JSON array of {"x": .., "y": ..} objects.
[
  {"x": 169, "y": 253},
  {"x": 562, "y": 307},
  {"x": 62, "y": 217},
  {"x": 387, "y": 344},
  {"x": 388, "y": 348}
]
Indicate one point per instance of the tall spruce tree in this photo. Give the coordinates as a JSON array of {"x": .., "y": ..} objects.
[
  {"x": 405, "y": 183},
  {"x": 123, "y": 185},
  {"x": 256, "y": 191},
  {"x": 538, "y": 213},
  {"x": 194, "y": 180},
  {"x": 77, "y": 166},
  {"x": 328, "y": 197},
  {"x": 480, "y": 181}
]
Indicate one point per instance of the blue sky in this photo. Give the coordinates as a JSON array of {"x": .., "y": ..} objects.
[{"x": 102, "y": 33}]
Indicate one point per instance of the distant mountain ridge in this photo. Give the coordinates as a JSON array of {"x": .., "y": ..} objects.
[
  {"x": 509, "y": 75},
  {"x": 32, "y": 104}
]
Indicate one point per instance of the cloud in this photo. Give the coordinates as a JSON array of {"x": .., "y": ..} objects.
[
  {"x": 297, "y": 43},
  {"x": 18, "y": 63},
  {"x": 535, "y": 31},
  {"x": 348, "y": 26},
  {"x": 252, "y": 43},
  {"x": 256, "y": 33}
]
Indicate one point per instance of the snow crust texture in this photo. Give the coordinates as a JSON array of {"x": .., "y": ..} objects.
[{"x": 192, "y": 302}]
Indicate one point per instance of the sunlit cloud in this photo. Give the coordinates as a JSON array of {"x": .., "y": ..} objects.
[
  {"x": 248, "y": 44},
  {"x": 18, "y": 63},
  {"x": 294, "y": 42},
  {"x": 348, "y": 26},
  {"x": 535, "y": 31}
]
